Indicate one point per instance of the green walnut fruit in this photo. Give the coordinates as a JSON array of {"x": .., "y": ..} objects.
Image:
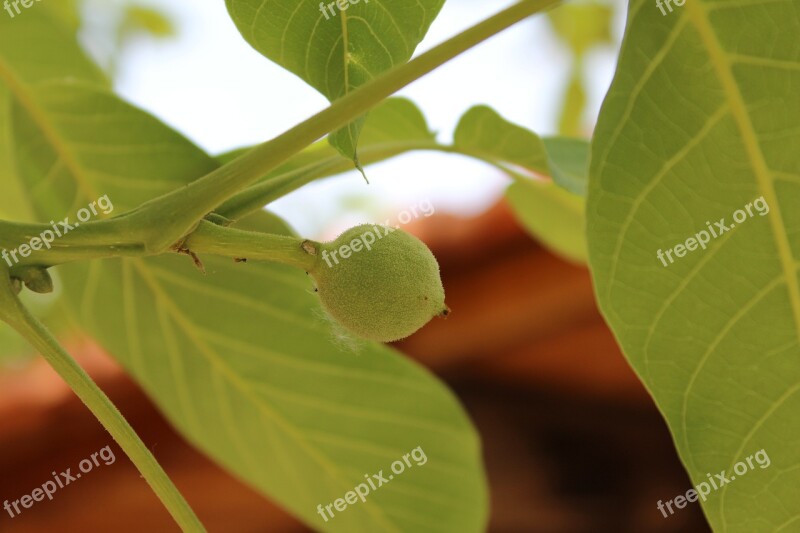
[{"x": 380, "y": 283}]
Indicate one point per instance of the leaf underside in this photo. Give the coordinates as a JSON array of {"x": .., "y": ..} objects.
[
  {"x": 242, "y": 361},
  {"x": 701, "y": 120}
]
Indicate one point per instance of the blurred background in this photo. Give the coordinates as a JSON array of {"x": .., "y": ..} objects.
[{"x": 572, "y": 441}]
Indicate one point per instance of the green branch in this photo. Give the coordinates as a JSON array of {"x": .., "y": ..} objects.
[
  {"x": 274, "y": 187},
  {"x": 158, "y": 225},
  {"x": 17, "y": 316},
  {"x": 98, "y": 239},
  {"x": 164, "y": 221},
  {"x": 239, "y": 244}
]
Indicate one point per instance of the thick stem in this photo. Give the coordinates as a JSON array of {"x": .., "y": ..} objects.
[
  {"x": 177, "y": 212},
  {"x": 157, "y": 225},
  {"x": 277, "y": 186},
  {"x": 92, "y": 240},
  {"x": 15, "y": 314},
  {"x": 113, "y": 238},
  {"x": 239, "y": 244}
]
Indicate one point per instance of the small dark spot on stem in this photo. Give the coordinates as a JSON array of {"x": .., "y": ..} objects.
[
  {"x": 197, "y": 262},
  {"x": 309, "y": 247}
]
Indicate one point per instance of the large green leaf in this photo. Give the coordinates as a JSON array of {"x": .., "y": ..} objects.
[
  {"x": 66, "y": 137},
  {"x": 700, "y": 122},
  {"x": 335, "y": 53},
  {"x": 37, "y": 48},
  {"x": 244, "y": 364},
  {"x": 242, "y": 361}
]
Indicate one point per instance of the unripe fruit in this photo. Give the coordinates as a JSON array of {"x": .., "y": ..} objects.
[{"x": 380, "y": 283}]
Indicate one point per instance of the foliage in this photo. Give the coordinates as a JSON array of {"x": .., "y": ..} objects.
[{"x": 244, "y": 361}]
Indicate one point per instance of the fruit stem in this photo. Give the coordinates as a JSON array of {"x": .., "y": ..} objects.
[
  {"x": 213, "y": 239},
  {"x": 17, "y": 316}
]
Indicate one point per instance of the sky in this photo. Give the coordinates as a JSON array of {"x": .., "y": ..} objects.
[{"x": 210, "y": 85}]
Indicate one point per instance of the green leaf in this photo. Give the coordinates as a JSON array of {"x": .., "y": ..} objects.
[
  {"x": 338, "y": 51},
  {"x": 35, "y": 48},
  {"x": 700, "y": 122},
  {"x": 244, "y": 364},
  {"x": 484, "y": 134},
  {"x": 242, "y": 361},
  {"x": 553, "y": 212},
  {"x": 569, "y": 163}
]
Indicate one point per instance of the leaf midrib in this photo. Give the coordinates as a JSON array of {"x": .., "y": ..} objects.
[
  {"x": 718, "y": 56},
  {"x": 698, "y": 16},
  {"x": 345, "y": 47}
]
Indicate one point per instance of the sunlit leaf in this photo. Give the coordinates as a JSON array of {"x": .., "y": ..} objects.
[
  {"x": 701, "y": 123},
  {"x": 242, "y": 360}
]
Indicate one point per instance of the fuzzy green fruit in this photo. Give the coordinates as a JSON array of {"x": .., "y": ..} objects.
[{"x": 380, "y": 283}]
